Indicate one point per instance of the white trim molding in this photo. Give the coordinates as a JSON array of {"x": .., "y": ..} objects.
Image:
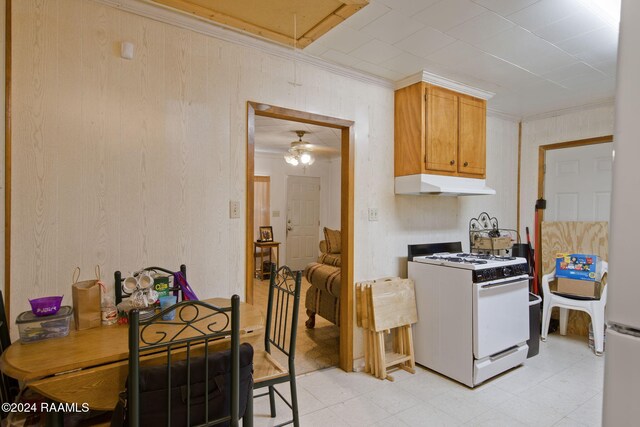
[
  {"x": 502, "y": 115},
  {"x": 607, "y": 102},
  {"x": 425, "y": 76}
]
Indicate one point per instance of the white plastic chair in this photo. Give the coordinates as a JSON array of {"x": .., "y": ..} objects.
[{"x": 595, "y": 309}]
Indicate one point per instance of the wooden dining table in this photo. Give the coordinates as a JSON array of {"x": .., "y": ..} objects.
[{"x": 91, "y": 366}]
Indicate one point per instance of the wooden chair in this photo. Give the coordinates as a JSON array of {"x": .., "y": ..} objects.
[
  {"x": 9, "y": 387},
  {"x": 189, "y": 386},
  {"x": 118, "y": 279},
  {"x": 280, "y": 334}
]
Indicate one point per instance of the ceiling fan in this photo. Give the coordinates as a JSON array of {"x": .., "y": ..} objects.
[{"x": 300, "y": 151}]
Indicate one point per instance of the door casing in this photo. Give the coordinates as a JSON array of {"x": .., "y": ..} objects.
[
  {"x": 542, "y": 152},
  {"x": 347, "y": 136}
]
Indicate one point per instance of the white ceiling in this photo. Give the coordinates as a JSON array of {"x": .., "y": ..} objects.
[
  {"x": 535, "y": 55},
  {"x": 275, "y": 136}
]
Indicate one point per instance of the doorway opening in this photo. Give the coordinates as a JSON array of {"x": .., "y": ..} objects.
[
  {"x": 565, "y": 205},
  {"x": 344, "y": 131}
]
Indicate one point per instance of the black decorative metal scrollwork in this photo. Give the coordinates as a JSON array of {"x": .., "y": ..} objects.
[
  {"x": 189, "y": 322},
  {"x": 486, "y": 227},
  {"x": 484, "y": 222},
  {"x": 285, "y": 279}
]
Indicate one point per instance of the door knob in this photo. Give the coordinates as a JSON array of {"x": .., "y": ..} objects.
[{"x": 289, "y": 228}]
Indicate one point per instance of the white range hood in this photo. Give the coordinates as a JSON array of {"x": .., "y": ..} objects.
[{"x": 441, "y": 185}]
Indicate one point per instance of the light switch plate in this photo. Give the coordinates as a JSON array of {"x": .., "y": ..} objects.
[
  {"x": 276, "y": 214},
  {"x": 234, "y": 209}
]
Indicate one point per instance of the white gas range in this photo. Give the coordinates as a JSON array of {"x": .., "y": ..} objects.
[{"x": 473, "y": 313}]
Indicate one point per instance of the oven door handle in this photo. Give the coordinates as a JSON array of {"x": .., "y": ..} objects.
[{"x": 507, "y": 283}]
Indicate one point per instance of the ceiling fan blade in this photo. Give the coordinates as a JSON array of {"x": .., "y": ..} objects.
[{"x": 321, "y": 149}]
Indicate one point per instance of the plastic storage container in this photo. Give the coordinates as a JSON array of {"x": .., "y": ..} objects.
[
  {"x": 534, "y": 325},
  {"x": 37, "y": 328}
]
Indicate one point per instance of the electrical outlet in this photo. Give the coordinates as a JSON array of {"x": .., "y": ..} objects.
[
  {"x": 234, "y": 209},
  {"x": 373, "y": 214}
]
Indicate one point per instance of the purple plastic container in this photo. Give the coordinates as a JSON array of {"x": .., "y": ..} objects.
[{"x": 45, "y": 306}]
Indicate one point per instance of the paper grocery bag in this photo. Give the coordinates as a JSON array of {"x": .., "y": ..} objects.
[{"x": 86, "y": 301}]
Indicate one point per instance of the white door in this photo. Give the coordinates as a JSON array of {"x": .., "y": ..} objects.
[
  {"x": 577, "y": 183},
  {"x": 303, "y": 220}
]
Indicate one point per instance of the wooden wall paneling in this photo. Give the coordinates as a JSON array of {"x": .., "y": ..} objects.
[
  {"x": 574, "y": 237},
  {"x": 139, "y": 88},
  {"x": 219, "y": 236},
  {"x": 100, "y": 121},
  {"x": 196, "y": 247},
  {"x": 177, "y": 56},
  {"x": 68, "y": 161},
  {"x": 34, "y": 214}
]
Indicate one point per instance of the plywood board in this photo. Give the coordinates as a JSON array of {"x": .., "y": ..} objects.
[
  {"x": 296, "y": 23},
  {"x": 574, "y": 237}
]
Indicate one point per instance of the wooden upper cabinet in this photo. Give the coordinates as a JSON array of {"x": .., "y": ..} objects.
[
  {"x": 442, "y": 130},
  {"x": 409, "y": 125},
  {"x": 472, "y": 136},
  {"x": 439, "y": 131}
]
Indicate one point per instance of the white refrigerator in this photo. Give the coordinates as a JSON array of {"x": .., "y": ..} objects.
[{"x": 622, "y": 357}]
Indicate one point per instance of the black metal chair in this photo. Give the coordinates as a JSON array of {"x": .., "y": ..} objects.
[
  {"x": 174, "y": 378},
  {"x": 280, "y": 334},
  {"x": 9, "y": 387},
  {"x": 118, "y": 279}
]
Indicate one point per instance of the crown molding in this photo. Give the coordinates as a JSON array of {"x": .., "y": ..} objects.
[
  {"x": 502, "y": 115},
  {"x": 425, "y": 76},
  {"x": 607, "y": 102},
  {"x": 164, "y": 14}
]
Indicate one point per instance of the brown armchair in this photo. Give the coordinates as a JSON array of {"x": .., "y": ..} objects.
[{"x": 323, "y": 297}]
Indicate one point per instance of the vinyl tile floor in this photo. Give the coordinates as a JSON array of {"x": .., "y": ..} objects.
[{"x": 561, "y": 386}]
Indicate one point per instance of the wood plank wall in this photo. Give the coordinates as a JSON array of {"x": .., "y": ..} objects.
[
  {"x": 574, "y": 237},
  {"x": 119, "y": 162}
]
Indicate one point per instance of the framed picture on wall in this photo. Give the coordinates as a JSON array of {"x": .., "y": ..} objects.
[{"x": 266, "y": 233}]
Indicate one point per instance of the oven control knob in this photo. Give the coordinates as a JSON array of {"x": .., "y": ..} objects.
[{"x": 506, "y": 271}]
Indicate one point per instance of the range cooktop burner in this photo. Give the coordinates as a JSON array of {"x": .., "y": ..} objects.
[
  {"x": 486, "y": 256},
  {"x": 461, "y": 258}
]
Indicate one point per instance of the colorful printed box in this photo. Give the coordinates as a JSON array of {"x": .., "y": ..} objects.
[{"x": 578, "y": 266}]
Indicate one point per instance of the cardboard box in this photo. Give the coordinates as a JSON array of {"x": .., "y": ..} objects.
[
  {"x": 580, "y": 288},
  {"x": 493, "y": 243},
  {"x": 578, "y": 266}
]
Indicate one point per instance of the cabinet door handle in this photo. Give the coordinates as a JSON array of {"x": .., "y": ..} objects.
[
  {"x": 466, "y": 164},
  {"x": 452, "y": 162}
]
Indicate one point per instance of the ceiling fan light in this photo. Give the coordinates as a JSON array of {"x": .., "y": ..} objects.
[
  {"x": 291, "y": 160},
  {"x": 305, "y": 158}
]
